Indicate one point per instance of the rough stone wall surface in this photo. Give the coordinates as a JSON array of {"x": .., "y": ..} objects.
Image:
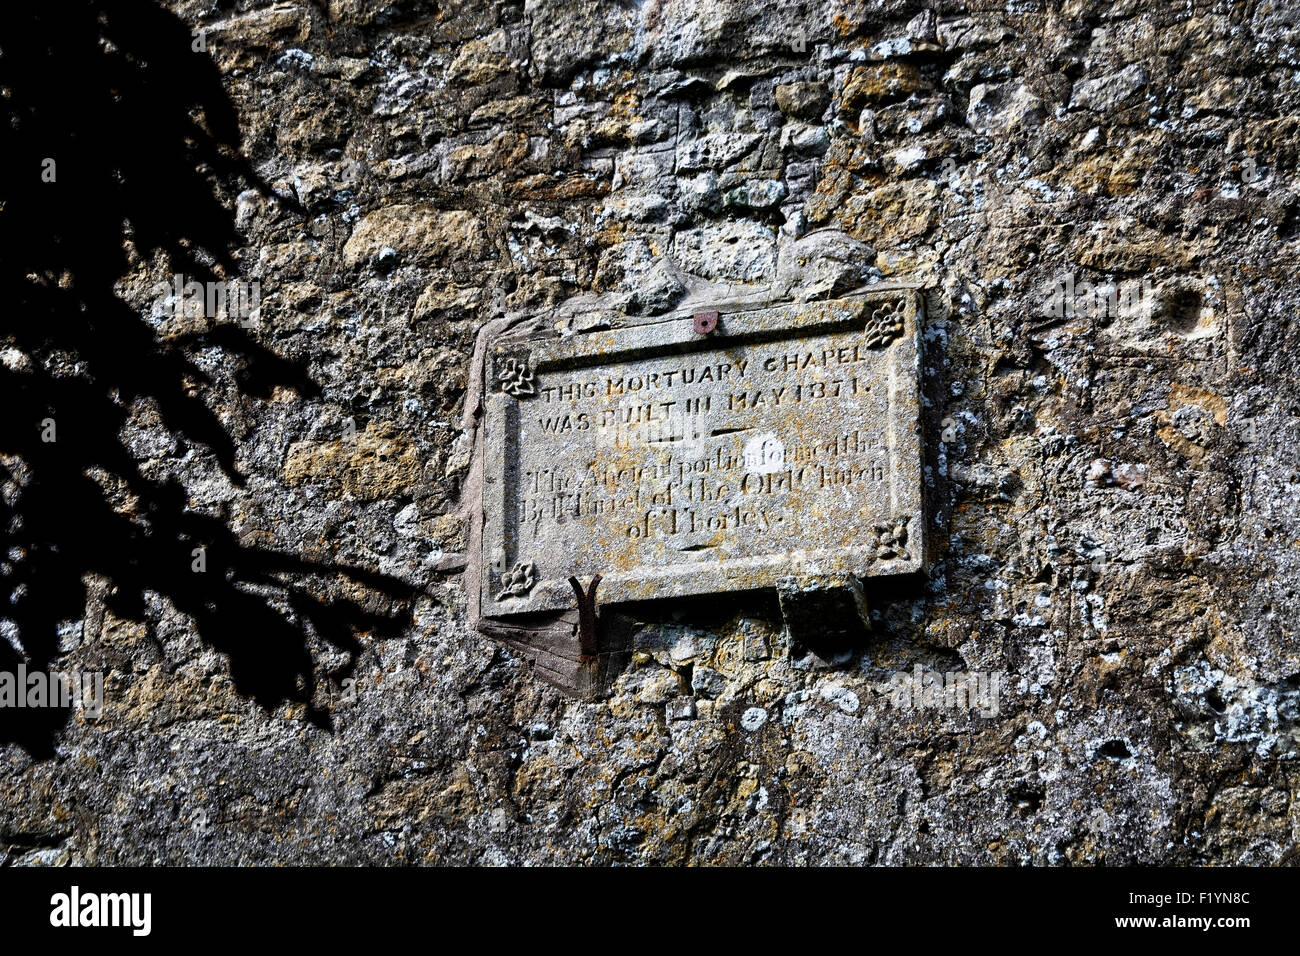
[{"x": 1110, "y": 487}]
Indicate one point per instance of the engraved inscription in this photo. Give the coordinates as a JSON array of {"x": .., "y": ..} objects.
[
  {"x": 788, "y": 445},
  {"x": 681, "y": 452}
]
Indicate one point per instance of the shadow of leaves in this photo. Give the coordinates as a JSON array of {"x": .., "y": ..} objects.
[{"x": 118, "y": 140}]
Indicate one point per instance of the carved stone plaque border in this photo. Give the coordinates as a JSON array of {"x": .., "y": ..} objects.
[{"x": 880, "y": 533}]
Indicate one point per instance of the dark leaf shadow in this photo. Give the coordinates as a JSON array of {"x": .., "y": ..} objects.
[{"x": 116, "y": 130}]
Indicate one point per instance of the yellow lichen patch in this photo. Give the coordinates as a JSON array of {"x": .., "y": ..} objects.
[
  {"x": 1180, "y": 395},
  {"x": 1108, "y": 174},
  {"x": 540, "y": 187},
  {"x": 891, "y": 214},
  {"x": 1184, "y": 438},
  {"x": 1131, "y": 246},
  {"x": 377, "y": 463},
  {"x": 843, "y": 25},
  {"x": 878, "y": 83},
  {"x": 417, "y": 234},
  {"x": 481, "y": 60}
]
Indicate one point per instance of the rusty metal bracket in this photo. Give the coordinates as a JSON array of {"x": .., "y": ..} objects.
[
  {"x": 588, "y": 638},
  {"x": 706, "y": 322}
]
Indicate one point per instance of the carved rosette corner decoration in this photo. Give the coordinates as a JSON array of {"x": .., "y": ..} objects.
[
  {"x": 889, "y": 541},
  {"x": 516, "y": 378},
  {"x": 885, "y": 324},
  {"x": 518, "y": 581}
]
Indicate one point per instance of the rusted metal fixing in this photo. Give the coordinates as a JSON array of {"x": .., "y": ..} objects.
[
  {"x": 588, "y": 639},
  {"x": 706, "y": 322}
]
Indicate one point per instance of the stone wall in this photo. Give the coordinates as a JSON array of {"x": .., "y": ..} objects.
[{"x": 1098, "y": 202}]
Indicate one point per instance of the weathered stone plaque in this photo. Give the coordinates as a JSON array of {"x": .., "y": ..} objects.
[{"x": 783, "y": 442}]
